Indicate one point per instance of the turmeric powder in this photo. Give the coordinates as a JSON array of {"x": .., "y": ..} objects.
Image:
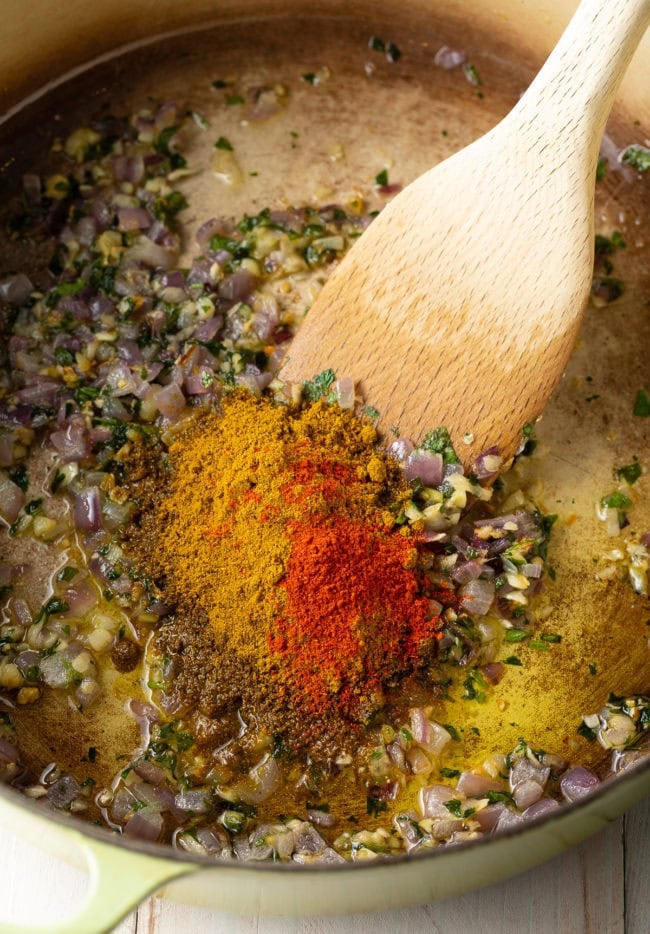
[{"x": 274, "y": 541}]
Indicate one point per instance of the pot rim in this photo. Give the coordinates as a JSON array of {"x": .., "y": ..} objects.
[{"x": 161, "y": 851}]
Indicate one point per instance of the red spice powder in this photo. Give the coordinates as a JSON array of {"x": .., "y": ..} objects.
[{"x": 355, "y": 616}]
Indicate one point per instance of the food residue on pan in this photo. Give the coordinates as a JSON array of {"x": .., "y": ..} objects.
[{"x": 317, "y": 631}]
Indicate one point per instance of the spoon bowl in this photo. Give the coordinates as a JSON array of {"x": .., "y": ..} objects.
[{"x": 461, "y": 303}]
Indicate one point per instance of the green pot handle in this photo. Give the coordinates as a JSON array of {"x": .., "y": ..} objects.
[{"x": 119, "y": 881}]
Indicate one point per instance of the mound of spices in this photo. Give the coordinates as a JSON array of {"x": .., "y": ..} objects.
[{"x": 296, "y": 593}]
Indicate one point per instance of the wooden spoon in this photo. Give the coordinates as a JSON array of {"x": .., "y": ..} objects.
[{"x": 460, "y": 304}]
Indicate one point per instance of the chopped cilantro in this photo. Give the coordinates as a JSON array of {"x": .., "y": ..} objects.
[
  {"x": 223, "y": 143},
  {"x": 218, "y": 84},
  {"x": 453, "y": 732},
  {"x": 381, "y": 178},
  {"x": 67, "y": 573},
  {"x": 370, "y": 412},
  {"x": 472, "y": 75},
  {"x": 234, "y": 99},
  {"x": 551, "y": 637},
  {"x": 587, "y": 732},
  {"x": 438, "y": 441},
  {"x": 320, "y": 386},
  {"x": 454, "y": 807},
  {"x": 499, "y": 797},
  {"x": 616, "y": 500},
  {"x": 449, "y": 773},
  {"x": 592, "y": 668},
  {"x": 309, "y": 77},
  {"x": 515, "y": 635},
  {"x": 630, "y": 473},
  {"x": 92, "y": 754},
  {"x": 19, "y": 477},
  {"x": 601, "y": 169},
  {"x": 641, "y": 404},
  {"x": 512, "y": 660},
  {"x": 638, "y": 157},
  {"x": 374, "y": 807}
]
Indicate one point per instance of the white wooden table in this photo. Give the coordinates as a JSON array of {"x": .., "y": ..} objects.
[{"x": 602, "y": 887}]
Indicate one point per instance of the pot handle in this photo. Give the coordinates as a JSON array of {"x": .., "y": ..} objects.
[{"x": 119, "y": 881}]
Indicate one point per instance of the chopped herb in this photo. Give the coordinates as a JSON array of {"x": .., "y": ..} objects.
[
  {"x": 184, "y": 741},
  {"x": 370, "y": 412},
  {"x": 320, "y": 386},
  {"x": 454, "y": 807},
  {"x": 438, "y": 440},
  {"x": 63, "y": 356},
  {"x": 381, "y": 178},
  {"x": 587, "y": 732},
  {"x": 218, "y": 84},
  {"x": 223, "y": 143},
  {"x": 19, "y": 477},
  {"x": 67, "y": 573},
  {"x": 309, "y": 77},
  {"x": 641, "y": 404},
  {"x": 638, "y": 157},
  {"x": 515, "y": 635},
  {"x": 512, "y": 660},
  {"x": 551, "y": 637},
  {"x": 449, "y": 773},
  {"x": 453, "y": 732},
  {"x": 475, "y": 730},
  {"x": 389, "y": 48},
  {"x": 601, "y": 169},
  {"x": 375, "y": 807},
  {"x": 538, "y": 645},
  {"x": 630, "y": 473},
  {"x": 92, "y": 754},
  {"x": 592, "y": 668},
  {"x": 499, "y": 797},
  {"x": 34, "y": 507},
  {"x": 472, "y": 75},
  {"x": 166, "y": 209},
  {"x": 234, "y": 99}
]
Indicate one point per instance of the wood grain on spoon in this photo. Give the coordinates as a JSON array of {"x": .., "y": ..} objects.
[{"x": 460, "y": 304}]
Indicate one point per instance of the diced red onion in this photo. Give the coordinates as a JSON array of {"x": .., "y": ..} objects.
[
  {"x": 645, "y": 539},
  {"x": 121, "y": 380},
  {"x": 432, "y": 800},
  {"x": 238, "y": 286},
  {"x": 401, "y": 448},
  {"x": 150, "y": 772},
  {"x": 477, "y": 786},
  {"x": 16, "y": 289},
  {"x": 8, "y": 753},
  {"x": 524, "y": 771},
  {"x": 578, "y": 782},
  {"x": 88, "y": 510},
  {"x": 449, "y": 58},
  {"x": 527, "y": 793},
  {"x": 489, "y": 817},
  {"x": 267, "y": 778},
  {"x": 193, "y": 800},
  {"x": 468, "y": 571},
  {"x": 72, "y": 443},
  {"x": 321, "y": 818},
  {"x": 170, "y": 401},
  {"x": 128, "y": 168},
  {"x": 507, "y": 820},
  {"x": 534, "y": 571},
  {"x": 544, "y": 806},
  {"x": 54, "y": 671},
  {"x": 133, "y": 219},
  {"x": 476, "y": 596},
  {"x": 197, "y": 384},
  {"x": 493, "y": 672},
  {"x": 144, "y": 825},
  {"x": 129, "y": 351},
  {"x": 63, "y": 791},
  {"x": 426, "y": 466},
  {"x": 12, "y": 499},
  {"x": 488, "y": 463},
  {"x": 81, "y": 598}
]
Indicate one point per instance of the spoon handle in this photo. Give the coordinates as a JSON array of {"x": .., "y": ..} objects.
[{"x": 569, "y": 101}]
